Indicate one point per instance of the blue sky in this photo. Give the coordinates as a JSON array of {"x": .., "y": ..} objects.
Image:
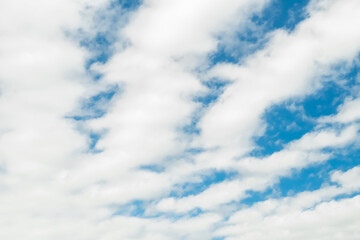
[{"x": 156, "y": 119}]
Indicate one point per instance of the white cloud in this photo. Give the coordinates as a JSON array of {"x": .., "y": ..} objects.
[
  {"x": 291, "y": 65},
  {"x": 145, "y": 123},
  {"x": 52, "y": 188},
  {"x": 307, "y": 215},
  {"x": 50, "y": 185},
  {"x": 322, "y": 139},
  {"x": 348, "y": 112},
  {"x": 257, "y": 174}
]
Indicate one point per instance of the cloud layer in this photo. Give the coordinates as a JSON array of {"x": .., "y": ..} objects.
[{"x": 149, "y": 120}]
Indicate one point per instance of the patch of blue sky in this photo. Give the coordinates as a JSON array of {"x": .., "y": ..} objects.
[
  {"x": 162, "y": 163},
  {"x": 215, "y": 89},
  {"x": 100, "y": 46},
  {"x": 311, "y": 178},
  {"x": 284, "y": 124},
  {"x": 304, "y": 180},
  {"x": 345, "y": 158},
  {"x": 129, "y": 5},
  {"x": 95, "y": 106},
  {"x": 326, "y": 101},
  {"x": 110, "y": 19},
  {"x": 135, "y": 208},
  {"x": 91, "y": 108},
  {"x": 208, "y": 179},
  {"x": 175, "y": 216},
  {"x": 257, "y": 196},
  {"x": 314, "y": 177},
  {"x": 283, "y": 14},
  {"x": 346, "y": 195},
  {"x": 191, "y": 128},
  {"x": 153, "y": 168},
  {"x": 94, "y": 138},
  {"x": 278, "y": 14},
  {"x": 307, "y": 179},
  {"x": 290, "y": 120},
  {"x": 194, "y": 151},
  {"x": 138, "y": 208},
  {"x": 333, "y": 93}
]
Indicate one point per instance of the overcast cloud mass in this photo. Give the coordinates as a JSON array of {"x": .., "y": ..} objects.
[{"x": 179, "y": 119}]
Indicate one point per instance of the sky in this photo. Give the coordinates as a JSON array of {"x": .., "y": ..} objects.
[{"x": 179, "y": 119}]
